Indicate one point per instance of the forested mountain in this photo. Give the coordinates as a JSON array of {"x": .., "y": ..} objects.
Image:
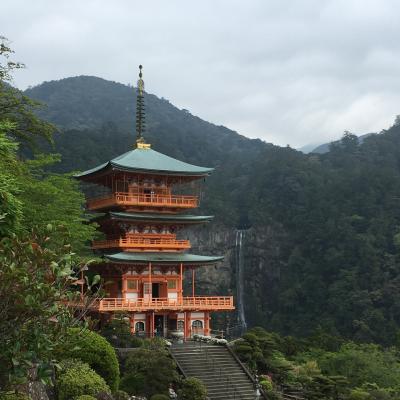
[
  {"x": 97, "y": 118},
  {"x": 330, "y": 222}
]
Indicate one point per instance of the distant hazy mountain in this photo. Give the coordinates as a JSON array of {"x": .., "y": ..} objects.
[
  {"x": 308, "y": 147},
  {"x": 324, "y": 148}
]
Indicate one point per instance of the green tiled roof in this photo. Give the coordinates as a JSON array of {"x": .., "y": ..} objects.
[
  {"x": 166, "y": 218},
  {"x": 148, "y": 161},
  {"x": 158, "y": 258}
]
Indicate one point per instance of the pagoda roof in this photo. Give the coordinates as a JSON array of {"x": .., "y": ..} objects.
[
  {"x": 147, "y": 161},
  {"x": 166, "y": 218},
  {"x": 158, "y": 258}
]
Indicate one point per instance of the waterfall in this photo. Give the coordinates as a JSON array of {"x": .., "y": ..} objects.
[{"x": 240, "y": 234}]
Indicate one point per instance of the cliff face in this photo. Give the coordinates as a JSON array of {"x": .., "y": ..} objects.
[
  {"x": 261, "y": 268},
  {"x": 214, "y": 239}
]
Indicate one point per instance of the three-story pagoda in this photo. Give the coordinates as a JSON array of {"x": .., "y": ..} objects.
[{"x": 145, "y": 260}]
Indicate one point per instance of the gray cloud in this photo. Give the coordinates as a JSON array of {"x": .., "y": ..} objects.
[{"x": 287, "y": 71}]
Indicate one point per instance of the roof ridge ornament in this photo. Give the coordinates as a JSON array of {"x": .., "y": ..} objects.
[{"x": 140, "y": 113}]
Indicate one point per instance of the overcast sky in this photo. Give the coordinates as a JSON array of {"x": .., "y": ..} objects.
[{"x": 287, "y": 71}]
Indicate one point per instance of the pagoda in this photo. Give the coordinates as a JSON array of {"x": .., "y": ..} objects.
[{"x": 142, "y": 212}]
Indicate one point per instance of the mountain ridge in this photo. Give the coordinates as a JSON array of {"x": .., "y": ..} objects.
[{"x": 106, "y": 109}]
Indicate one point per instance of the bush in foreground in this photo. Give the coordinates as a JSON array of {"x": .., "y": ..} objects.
[
  {"x": 192, "y": 389},
  {"x": 78, "y": 380},
  {"x": 121, "y": 395},
  {"x": 94, "y": 350},
  {"x": 149, "y": 371}
]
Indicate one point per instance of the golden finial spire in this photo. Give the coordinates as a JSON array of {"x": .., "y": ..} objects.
[{"x": 140, "y": 113}]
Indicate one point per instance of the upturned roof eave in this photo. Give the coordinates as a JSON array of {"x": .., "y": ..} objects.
[
  {"x": 165, "y": 218},
  {"x": 157, "y": 258},
  {"x": 110, "y": 166}
]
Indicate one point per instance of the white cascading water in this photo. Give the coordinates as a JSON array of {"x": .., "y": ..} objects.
[{"x": 240, "y": 234}]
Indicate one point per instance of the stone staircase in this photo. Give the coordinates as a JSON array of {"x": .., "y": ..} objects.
[{"x": 217, "y": 368}]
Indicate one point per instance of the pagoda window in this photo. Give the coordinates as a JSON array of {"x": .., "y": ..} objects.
[
  {"x": 172, "y": 284},
  {"x": 180, "y": 325},
  {"x": 197, "y": 324},
  {"x": 132, "y": 284},
  {"x": 146, "y": 288},
  {"x": 139, "y": 326}
]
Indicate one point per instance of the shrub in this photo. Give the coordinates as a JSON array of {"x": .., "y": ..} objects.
[
  {"x": 94, "y": 350},
  {"x": 149, "y": 371},
  {"x": 274, "y": 395},
  {"x": 133, "y": 383},
  {"x": 266, "y": 384},
  {"x": 121, "y": 395},
  {"x": 359, "y": 394},
  {"x": 79, "y": 380},
  {"x": 192, "y": 389},
  {"x": 13, "y": 396},
  {"x": 135, "y": 342},
  {"x": 85, "y": 397},
  {"x": 159, "y": 397}
]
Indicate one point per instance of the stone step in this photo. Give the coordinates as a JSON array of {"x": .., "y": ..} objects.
[{"x": 215, "y": 366}]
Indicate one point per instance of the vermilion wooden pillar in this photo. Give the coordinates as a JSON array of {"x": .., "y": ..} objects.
[
  {"x": 132, "y": 322},
  {"x": 193, "y": 282},
  {"x": 186, "y": 327},
  {"x": 207, "y": 323},
  {"x": 181, "y": 282},
  {"x": 152, "y": 324}
]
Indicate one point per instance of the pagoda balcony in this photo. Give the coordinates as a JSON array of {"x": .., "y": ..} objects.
[
  {"x": 198, "y": 303},
  {"x": 123, "y": 199},
  {"x": 144, "y": 242}
]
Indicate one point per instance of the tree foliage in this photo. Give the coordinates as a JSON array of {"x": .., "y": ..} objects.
[
  {"x": 352, "y": 371},
  {"x": 148, "y": 371},
  {"x": 78, "y": 380},
  {"x": 93, "y": 349},
  {"x": 192, "y": 389},
  {"x": 35, "y": 281}
]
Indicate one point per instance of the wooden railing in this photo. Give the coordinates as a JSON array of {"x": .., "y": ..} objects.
[
  {"x": 199, "y": 303},
  {"x": 148, "y": 200},
  {"x": 144, "y": 241}
]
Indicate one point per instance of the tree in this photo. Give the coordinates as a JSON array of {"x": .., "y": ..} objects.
[
  {"x": 35, "y": 283},
  {"x": 17, "y": 108},
  {"x": 10, "y": 204},
  {"x": 363, "y": 363},
  {"x": 32, "y": 197},
  {"x": 55, "y": 199},
  {"x": 7, "y": 66},
  {"x": 148, "y": 372},
  {"x": 192, "y": 389}
]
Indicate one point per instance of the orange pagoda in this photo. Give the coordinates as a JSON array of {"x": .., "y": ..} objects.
[{"x": 144, "y": 257}]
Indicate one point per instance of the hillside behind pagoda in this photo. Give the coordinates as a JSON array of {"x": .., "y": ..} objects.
[{"x": 324, "y": 239}]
